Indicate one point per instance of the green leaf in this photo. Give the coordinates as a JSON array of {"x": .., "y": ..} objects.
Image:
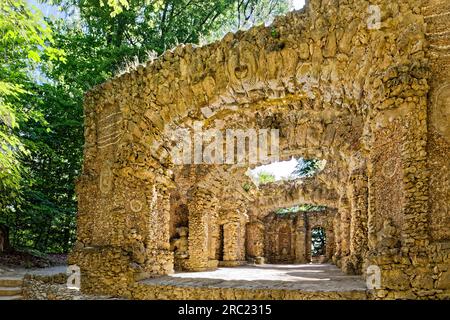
[{"x": 34, "y": 55}]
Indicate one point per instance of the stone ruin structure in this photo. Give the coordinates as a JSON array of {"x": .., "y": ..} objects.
[
  {"x": 287, "y": 239},
  {"x": 372, "y": 101}
]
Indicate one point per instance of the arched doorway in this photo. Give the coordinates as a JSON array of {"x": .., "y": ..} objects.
[{"x": 318, "y": 244}]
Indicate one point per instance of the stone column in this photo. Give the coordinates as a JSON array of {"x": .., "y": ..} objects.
[
  {"x": 123, "y": 211},
  {"x": 357, "y": 193},
  {"x": 344, "y": 213},
  {"x": 398, "y": 223},
  {"x": 213, "y": 238},
  {"x": 300, "y": 240},
  {"x": 300, "y": 245},
  {"x": 160, "y": 258},
  {"x": 330, "y": 245},
  {"x": 232, "y": 240},
  {"x": 308, "y": 241},
  {"x": 243, "y": 220},
  {"x": 255, "y": 239},
  {"x": 200, "y": 206},
  {"x": 337, "y": 237}
]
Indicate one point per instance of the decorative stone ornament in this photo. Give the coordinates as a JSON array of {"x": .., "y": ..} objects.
[
  {"x": 440, "y": 113},
  {"x": 136, "y": 205},
  {"x": 106, "y": 179}
]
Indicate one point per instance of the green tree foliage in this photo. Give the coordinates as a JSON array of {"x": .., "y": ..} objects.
[
  {"x": 132, "y": 28},
  {"x": 299, "y": 208},
  {"x": 247, "y": 13},
  {"x": 25, "y": 41},
  {"x": 20, "y": 35},
  {"x": 265, "y": 177},
  {"x": 307, "y": 168},
  {"x": 41, "y": 91}
]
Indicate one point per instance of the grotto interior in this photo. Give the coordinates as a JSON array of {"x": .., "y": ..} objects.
[{"x": 373, "y": 103}]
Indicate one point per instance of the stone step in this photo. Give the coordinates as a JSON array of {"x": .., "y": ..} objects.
[
  {"x": 17, "y": 297},
  {"x": 11, "y": 281},
  {"x": 10, "y": 291}
]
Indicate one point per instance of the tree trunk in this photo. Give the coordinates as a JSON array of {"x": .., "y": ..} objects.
[{"x": 4, "y": 238}]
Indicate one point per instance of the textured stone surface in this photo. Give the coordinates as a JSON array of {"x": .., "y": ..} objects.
[
  {"x": 257, "y": 282},
  {"x": 287, "y": 239},
  {"x": 373, "y": 103},
  {"x": 53, "y": 288}
]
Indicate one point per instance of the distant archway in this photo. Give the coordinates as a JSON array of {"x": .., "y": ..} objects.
[{"x": 318, "y": 243}]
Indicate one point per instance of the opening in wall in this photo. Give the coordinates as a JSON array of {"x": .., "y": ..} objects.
[
  {"x": 318, "y": 244},
  {"x": 296, "y": 168},
  {"x": 221, "y": 246}
]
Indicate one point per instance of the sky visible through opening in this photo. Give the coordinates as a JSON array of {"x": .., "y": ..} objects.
[
  {"x": 298, "y": 4},
  {"x": 281, "y": 169}
]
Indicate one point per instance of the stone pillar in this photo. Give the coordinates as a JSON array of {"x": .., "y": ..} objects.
[
  {"x": 255, "y": 239},
  {"x": 231, "y": 234},
  {"x": 123, "y": 208},
  {"x": 243, "y": 220},
  {"x": 344, "y": 213},
  {"x": 200, "y": 206},
  {"x": 160, "y": 258},
  {"x": 357, "y": 193},
  {"x": 234, "y": 233},
  {"x": 398, "y": 193},
  {"x": 337, "y": 238},
  {"x": 330, "y": 245},
  {"x": 300, "y": 239},
  {"x": 308, "y": 242},
  {"x": 213, "y": 238}
]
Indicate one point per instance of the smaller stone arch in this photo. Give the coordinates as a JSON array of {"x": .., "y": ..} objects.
[{"x": 325, "y": 221}]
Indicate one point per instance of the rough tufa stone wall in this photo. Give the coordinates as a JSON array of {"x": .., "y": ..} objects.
[
  {"x": 287, "y": 238},
  {"x": 372, "y": 102}
]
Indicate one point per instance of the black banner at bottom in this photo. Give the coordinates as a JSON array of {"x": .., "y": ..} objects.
[{"x": 226, "y": 309}]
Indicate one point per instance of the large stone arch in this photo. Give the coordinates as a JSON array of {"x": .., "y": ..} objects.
[{"x": 337, "y": 88}]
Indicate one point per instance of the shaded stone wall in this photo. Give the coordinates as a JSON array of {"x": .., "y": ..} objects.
[
  {"x": 233, "y": 223},
  {"x": 280, "y": 238},
  {"x": 255, "y": 239},
  {"x": 287, "y": 239}
]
